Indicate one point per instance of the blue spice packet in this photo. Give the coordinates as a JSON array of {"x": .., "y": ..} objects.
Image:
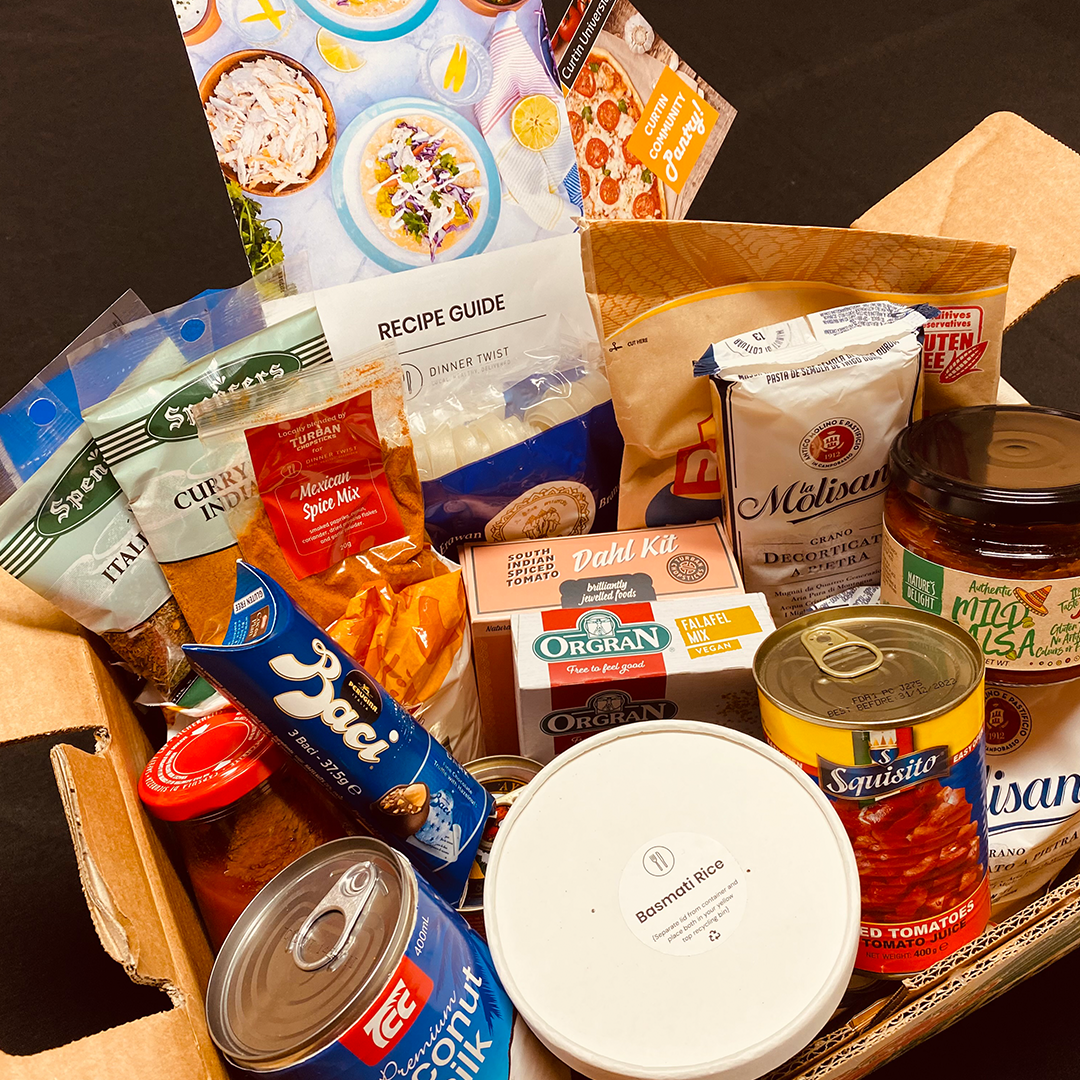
[{"x": 279, "y": 667}]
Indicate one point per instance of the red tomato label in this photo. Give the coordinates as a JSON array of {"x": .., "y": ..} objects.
[
  {"x": 645, "y": 206},
  {"x": 577, "y": 126},
  {"x": 609, "y": 190},
  {"x": 596, "y": 153},
  {"x": 585, "y": 84},
  {"x": 323, "y": 485},
  {"x": 607, "y": 114},
  {"x": 628, "y": 154},
  {"x": 586, "y": 183}
]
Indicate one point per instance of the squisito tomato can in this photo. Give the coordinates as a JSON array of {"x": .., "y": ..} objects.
[{"x": 884, "y": 708}]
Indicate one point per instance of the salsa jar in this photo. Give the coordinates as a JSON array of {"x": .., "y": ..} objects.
[
  {"x": 982, "y": 527},
  {"x": 242, "y": 811}
]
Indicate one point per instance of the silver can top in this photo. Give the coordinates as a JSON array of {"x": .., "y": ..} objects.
[
  {"x": 310, "y": 953},
  {"x": 868, "y": 667}
]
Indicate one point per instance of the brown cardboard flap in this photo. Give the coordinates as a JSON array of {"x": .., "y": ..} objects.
[
  {"x": 142, "y": 914},
  {"x": 1005, "y": 182},
  {"x": 159, "y": 1047}
]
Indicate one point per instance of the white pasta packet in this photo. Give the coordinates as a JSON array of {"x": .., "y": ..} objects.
[
  {"x": 1032, "y": 788},
  {"x": 805, "y": 412}
]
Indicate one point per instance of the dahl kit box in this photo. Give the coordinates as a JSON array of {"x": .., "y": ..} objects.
[
  {"x": 584, "y": 670},
  {"x": 576, "y": 572}
]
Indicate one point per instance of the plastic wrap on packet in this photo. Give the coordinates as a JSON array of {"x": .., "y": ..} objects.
[
  {"x": 282, "y": 669},
  {"x": 524, "y": 449}
]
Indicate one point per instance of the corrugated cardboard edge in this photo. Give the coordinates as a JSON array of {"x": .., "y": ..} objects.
[
  {"x": 141, "y": 912},
  {"x": 1002, "y": 957},
  {"x": 1005, "y": 182}
]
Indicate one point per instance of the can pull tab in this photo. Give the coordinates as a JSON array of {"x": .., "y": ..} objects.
[
  {"x": 823, "y": 640},
  {"x": 349, "y": 895}
]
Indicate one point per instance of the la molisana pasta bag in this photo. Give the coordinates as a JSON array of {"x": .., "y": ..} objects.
[{"x": 663, "y": 291}]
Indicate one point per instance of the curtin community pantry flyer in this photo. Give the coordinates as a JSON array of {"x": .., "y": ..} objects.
[
  {"x": 646, "y": 128},
  {"x": 384, "y": 135}
]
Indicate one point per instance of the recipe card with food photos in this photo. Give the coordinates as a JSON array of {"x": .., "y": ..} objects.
[
  {"x": 646, "y": 128},
  {"x": 384, "y": 135}
]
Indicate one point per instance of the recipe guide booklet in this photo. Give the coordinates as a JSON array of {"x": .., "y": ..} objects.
[
  {"x": 646, "y": 128},
  {"x": 384, "y": 135}
]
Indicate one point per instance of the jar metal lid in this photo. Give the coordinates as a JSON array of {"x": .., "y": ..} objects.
[
  {"x": 208, "y": 766},
  {"x": 998, "y": 464}
]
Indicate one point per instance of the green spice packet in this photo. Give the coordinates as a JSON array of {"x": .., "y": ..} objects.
[
  {"x": 67, "y": 532},
  {"x": 181, "y": 490}
]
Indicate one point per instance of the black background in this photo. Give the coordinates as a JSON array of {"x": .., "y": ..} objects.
[{"x": 110, "y": 182}]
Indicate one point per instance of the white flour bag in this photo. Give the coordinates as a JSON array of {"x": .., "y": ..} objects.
[{"x": 805, "y": 412}]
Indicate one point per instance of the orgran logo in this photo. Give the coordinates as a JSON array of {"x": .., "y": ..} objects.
[{"x": 601, "y": 633}]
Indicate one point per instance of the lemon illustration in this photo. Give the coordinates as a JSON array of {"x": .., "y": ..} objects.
[
  {"x": 336, "y": 53},
  {"x": 535, "y": 122}
]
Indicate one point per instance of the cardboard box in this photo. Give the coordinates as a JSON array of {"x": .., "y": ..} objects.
[
  {"x": 583, "y": 670},
  {"x": 140, "y": 910},
  {"x": 1004, "y": 182},
  {"x": 576, "y": 571}
]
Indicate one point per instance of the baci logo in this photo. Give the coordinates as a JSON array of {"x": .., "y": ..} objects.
[
  {"x": 601, "y": 633},
  {"x": 879, "y": 779},
  {"x": 172, "y": 420},
  {"x": 86, "y": 486},
  {"x": 609, "y": 708}
]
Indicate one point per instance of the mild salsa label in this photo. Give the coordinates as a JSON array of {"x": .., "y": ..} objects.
[
  {"x": 1020, "y": 625},
  {"x": 324, "y": 485}
]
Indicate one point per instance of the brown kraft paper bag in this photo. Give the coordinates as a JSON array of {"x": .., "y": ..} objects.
[{"x": 663, "y": 291}]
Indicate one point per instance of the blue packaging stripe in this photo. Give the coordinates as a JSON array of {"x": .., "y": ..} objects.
[
  {"x": 279, "y": 667},
  {"x": 586, "y": 449},
  {"x": 463, "y": 1029}
]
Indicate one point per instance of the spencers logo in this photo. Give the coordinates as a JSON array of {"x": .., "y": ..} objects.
[
  {"x": 883, "y": 777},
  {"x": 86, "y": 486},
  {"x": 610, "y": 708},
  {"x": 601, "y": 633},
  {"x": 341, "y": 714},
  {"x": 381, "y": 1028},
  {"x": 831, "y": 443},
  {"x": 172, "y": 420}
]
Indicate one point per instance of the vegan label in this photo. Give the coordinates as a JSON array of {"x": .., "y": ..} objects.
[
  {"x": 683, "y": 893},
  {"x": 1020, "y": 625},
  {"x": 717, "y": 631}
]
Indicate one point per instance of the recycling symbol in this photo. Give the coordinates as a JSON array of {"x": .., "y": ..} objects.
[{"x": 714, "y": 935}]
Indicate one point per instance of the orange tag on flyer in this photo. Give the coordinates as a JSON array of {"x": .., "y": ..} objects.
[{"x": 673, "y": 129}]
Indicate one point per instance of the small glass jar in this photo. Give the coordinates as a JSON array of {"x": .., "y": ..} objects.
[
  {"x": 982, "y": 526},
  {"x": 241, "y": 809}
]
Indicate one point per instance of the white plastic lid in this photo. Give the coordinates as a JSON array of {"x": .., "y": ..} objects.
[{"x": 619, "y": 972}]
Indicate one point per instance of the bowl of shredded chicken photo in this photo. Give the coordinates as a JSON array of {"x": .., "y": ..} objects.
[{"x": 272, "y": 123}]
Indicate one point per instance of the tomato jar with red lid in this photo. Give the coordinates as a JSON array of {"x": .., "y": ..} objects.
[
  {"x": 982, "y": 527},
  {"x": 242, "y": 811}
]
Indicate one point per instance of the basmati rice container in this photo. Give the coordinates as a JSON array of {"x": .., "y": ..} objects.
[{"x": 673, "y": 900}]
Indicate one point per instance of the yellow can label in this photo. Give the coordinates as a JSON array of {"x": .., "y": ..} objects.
[{"x": 913, "y": 803}]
